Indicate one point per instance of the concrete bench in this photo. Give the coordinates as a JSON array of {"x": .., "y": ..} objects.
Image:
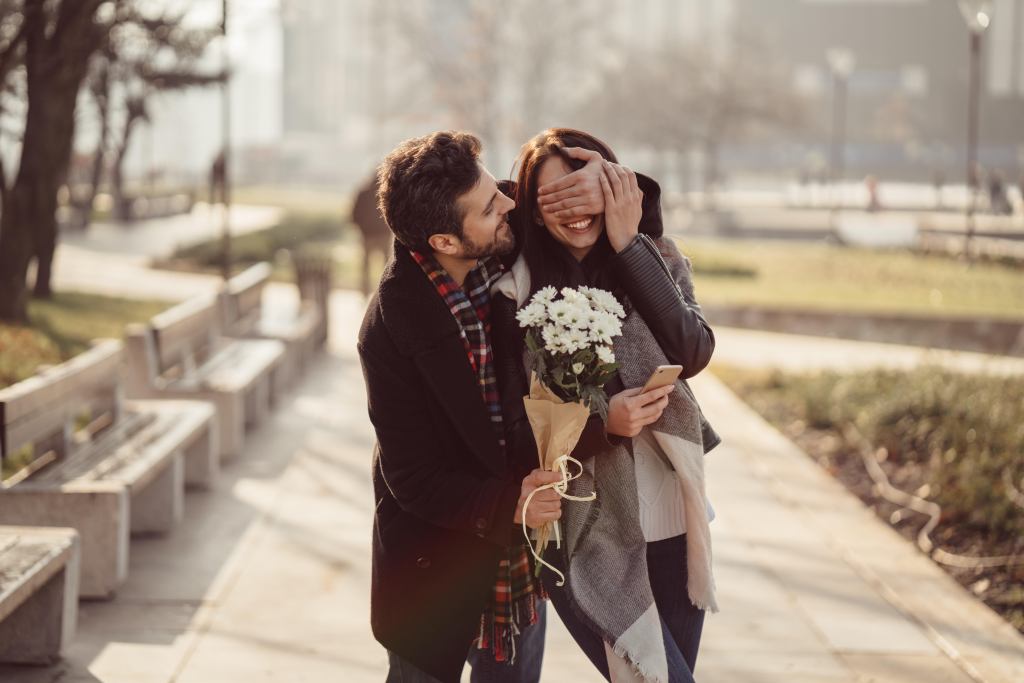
[
  {"x": 38, "y": 593},
  {"x": 181, "y": 353},
  {"x": 102, "y": 465},
  {"x": 313, "y": 276},
  {"x": 243, "y": 315}
]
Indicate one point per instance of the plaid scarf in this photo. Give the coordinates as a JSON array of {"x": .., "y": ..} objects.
[{"x": 513, "y": 602}]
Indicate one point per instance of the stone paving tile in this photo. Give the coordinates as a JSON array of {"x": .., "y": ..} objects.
[{"x": 889, "y": 668}]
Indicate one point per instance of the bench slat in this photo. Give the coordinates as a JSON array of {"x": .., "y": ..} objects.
[
  {"x": 97, "y": 367},
  {"x": 125, "y": 453},
  {"x": 184, "y": 330},
  {"x": 239, "y": 364}
]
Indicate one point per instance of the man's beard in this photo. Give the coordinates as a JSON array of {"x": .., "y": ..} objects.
[{"x": 503, "y": 243}]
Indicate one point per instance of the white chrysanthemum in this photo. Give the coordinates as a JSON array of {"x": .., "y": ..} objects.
[
  {"x": 605, "y": 354},
  {"x": 545, "y": 295},
  {"x": 605, "y": 301},
  {"x": 577, "y": 315},
  {"x": 576, "y": 339},
  {"x": 574, "y": 296},
  {"x": 554, "y": 338},
  {"x": 604, "y": 328},
  {"x": 532, "y": 315},
  {"x": 560, "y": 311},
  {"x": 578, "y": 368}
]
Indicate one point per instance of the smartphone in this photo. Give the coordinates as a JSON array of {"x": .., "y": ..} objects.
[{"x": 662, "y": 376}]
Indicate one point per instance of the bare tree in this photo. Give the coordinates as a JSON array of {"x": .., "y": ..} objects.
[
  {"x": 501, "y": 70},
  {"x": 58, "y": 41},
  {"x": 146, "y": 54},
  {"x": 458, "y": 50},
  {"x": 12, "y": 51},
  {"x": 682, "y": 97}
]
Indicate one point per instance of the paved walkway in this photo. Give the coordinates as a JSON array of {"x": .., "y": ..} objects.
[
  {"x": 267, "y": 578},
  {"x": 159, "y": 237},
  {"x": 795, "y": 352}
]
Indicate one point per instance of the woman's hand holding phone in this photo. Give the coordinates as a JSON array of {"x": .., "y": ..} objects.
[{"x": 631, "y": 410}]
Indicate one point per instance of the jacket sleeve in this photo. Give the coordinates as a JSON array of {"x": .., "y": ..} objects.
[
  {"x": 436, "y": 489},
  {"x": 658, "y": 281}
]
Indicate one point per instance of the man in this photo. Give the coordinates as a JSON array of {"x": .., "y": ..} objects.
[{"x": 451, "y": 578}]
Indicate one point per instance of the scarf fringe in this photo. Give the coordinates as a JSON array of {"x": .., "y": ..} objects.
[
  {"x": 640, "y": 670},
  {"x": 501, "y": 638}
]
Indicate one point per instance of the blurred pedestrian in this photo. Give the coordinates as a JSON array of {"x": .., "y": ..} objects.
[
  {"x": 377, "y": 238},
  {"x": 998, "y": 200},
  {"x": 938, "y": 182},
  {"x": 871, "y": 184},
  {"x": 218, "y": 180}
]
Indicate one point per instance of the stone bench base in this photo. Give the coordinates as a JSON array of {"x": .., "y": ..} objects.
[
  {"x": 107, "y": 494},
  {"x": 39, "y": 571}
]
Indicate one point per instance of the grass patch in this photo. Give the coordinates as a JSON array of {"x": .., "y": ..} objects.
[
  {"x": 955, "y": 439},
  {"x": 296, "y": 200},
  {"x": 63, "y": 327},
  {"x": 830, "y": 277},
  {"x": 295, "y": 232}
]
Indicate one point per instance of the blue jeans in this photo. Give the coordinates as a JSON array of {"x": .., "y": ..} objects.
[
  {"x": 526, "y": 669},
  {"x": 681, "y": 622}
]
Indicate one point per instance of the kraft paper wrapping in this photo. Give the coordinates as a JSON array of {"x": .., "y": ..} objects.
[{"x": 557, "y": 426}]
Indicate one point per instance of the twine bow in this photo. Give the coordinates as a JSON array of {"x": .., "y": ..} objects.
[{"x": 559, "y": 487}]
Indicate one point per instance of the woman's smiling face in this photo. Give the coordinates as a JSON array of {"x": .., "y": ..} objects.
[{"x": 578, "y": 235}]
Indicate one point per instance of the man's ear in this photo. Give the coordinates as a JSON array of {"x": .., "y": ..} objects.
[{"x": 444, "y": 243}]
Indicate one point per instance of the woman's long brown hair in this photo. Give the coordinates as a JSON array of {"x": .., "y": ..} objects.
[{"x": 549, "y": 262}]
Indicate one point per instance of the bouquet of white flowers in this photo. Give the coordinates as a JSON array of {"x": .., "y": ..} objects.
[{"x": 570, "y": 344}]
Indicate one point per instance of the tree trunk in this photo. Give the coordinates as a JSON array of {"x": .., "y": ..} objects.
[
  {"x": 122, "y": 209},
  {"x": 710, "y": 173},
  {"x": 55, "y": 67},
  {"x": 102, "y": 96}
]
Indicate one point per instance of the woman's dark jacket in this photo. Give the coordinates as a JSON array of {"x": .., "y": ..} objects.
[{"x": 638, "y": 272}]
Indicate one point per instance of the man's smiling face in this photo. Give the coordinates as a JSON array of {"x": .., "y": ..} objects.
[{"x": 485, "y": 228}]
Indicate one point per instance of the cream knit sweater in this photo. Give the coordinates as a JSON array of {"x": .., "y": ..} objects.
[{"x": 662, "y": 514}]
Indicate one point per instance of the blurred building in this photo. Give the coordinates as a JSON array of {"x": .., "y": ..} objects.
[
  {"x": 340, "y": 112},
  {"x": 907, "y": 102}
]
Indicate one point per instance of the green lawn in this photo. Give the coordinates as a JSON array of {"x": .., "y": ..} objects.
[
  {"x": 300, "y": 200},
  {"x": 63, "y": 327},
  {"x": 785, "y": 274},
  {"x": 820, "y": 276}
]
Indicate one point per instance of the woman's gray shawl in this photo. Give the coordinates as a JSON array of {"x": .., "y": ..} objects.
[{"x": 604, "y": 546}]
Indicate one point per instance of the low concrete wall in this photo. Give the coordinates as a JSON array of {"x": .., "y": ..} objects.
[{"x": 982, "y": 335}]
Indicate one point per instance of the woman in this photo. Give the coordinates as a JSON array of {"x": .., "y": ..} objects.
[{"x": 637, "y": 562}]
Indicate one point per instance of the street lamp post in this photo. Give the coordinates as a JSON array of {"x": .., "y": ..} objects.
[
  {"x": 841, "y": 62},
  {"x": 978, "y": 15},
  {"x": 225, "y": 235}
]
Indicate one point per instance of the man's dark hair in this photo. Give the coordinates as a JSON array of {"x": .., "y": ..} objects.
[{"x": 420, "y": 181}]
